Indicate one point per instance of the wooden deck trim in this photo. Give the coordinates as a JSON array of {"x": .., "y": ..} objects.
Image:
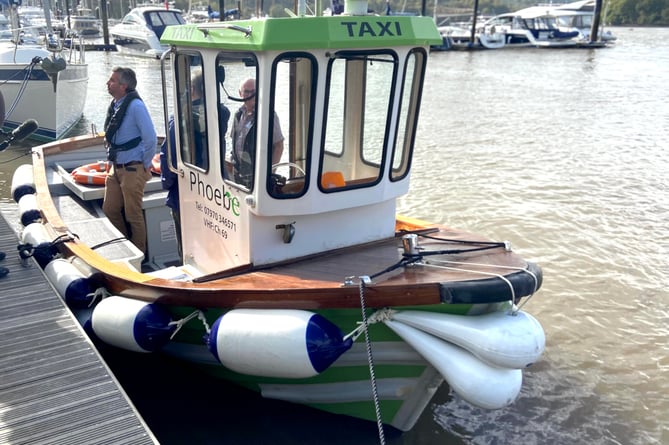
[{"x": 317, "y": 281}]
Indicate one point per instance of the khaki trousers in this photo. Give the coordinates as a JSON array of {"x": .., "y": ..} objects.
[{"x": 124, "y": 190}]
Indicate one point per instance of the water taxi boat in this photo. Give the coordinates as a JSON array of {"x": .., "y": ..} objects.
[{"x": 297, "y": 278}]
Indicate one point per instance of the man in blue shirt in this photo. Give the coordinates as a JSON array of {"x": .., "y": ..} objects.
[{"x": 131, "y": 143}]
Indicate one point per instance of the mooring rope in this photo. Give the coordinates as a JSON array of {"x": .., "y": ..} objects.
[
  {"x": 180, "y": 323},
  {"x": 370, "y": 359},
  {"x": 27, "y": 250},
  {"x": 413, "y": 258},
  {"x": 108, "y": 242},
  {"x": 459, "y": 241},
  {"x": 98, "y": 295},
  {"x": 416, "y": 257},
  {"x": 9, "y": 161}
]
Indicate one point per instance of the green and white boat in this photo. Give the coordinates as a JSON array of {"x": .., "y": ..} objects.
[{"x": 298, "y": 280}]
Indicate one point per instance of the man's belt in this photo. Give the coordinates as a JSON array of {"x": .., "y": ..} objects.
[{"x": 127, "y": 164}]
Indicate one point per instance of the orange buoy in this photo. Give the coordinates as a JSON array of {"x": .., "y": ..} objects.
[
  {"x": 91, "y": 174},
  {"x": 155, "y": 164}
]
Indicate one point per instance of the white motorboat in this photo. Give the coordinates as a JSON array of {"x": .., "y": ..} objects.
[
  {"x": 85, "y": 23},
  {"x": 36, "y": 82},
  {"x": 533, "y": 27},
  {"x": 460, "y": 37},
  {"x": 579, "y": 16},
  {"x": 140, "y": 30},
  {"x": 470, "y": 36}
]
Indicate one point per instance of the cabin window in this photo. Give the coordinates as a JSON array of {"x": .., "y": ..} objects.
[
  {"x": 357, "y": 118},
  {"x": 132, "y": 19},
  {"x": 414, "y": 73},
  {"x": 192, "y": 115},
  {"x": 291, "y": 101},
  {"x": 237, "y": 129}
]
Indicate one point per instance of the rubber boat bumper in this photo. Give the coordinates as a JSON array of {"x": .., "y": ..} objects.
[{"x": 494, "y": 289}]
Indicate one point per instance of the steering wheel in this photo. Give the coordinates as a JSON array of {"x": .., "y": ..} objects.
[{"x": 289, "y": 164}]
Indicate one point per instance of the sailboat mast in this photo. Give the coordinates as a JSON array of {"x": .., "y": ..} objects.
[{"x": 46, "y": 5}]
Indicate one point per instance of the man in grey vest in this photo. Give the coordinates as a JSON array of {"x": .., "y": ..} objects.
[{"x": 243, "y": 136}]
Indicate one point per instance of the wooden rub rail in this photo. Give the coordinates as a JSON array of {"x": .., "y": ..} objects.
[{"x": 54, "y": 386}]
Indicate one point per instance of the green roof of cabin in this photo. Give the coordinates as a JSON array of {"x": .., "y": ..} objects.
[{"x": 309, "y": 32}]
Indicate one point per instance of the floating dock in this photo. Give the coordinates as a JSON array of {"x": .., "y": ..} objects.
[{"x": 54, "y": 385}]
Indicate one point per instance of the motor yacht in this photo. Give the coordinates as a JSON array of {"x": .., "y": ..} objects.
[{"x": 140, "y": 30}]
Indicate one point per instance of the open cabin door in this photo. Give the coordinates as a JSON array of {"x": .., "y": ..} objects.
[{"x": 214, "y": 235}]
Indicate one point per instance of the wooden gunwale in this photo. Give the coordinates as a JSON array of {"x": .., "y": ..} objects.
[{"x": 310, "y": 283}]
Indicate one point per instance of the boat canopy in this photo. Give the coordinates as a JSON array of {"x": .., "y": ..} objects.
[
  {"x": 341, "y": 94},
  {"x": 307, "y": 33}
]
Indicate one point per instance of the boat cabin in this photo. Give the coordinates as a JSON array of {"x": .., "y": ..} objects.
[{"x": 320, "y": 167}]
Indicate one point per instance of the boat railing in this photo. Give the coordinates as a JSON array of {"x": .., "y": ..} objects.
[{"x": 77, "y": 53}]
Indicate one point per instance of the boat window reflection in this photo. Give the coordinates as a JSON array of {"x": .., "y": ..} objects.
[
  {"x": 359, "y": 90},
  {"x": 192, "y": 108},
  {"x": 232, "y": 69},
  {"x": 293, "y": 91},
  {"x": 414, "y": 72}
]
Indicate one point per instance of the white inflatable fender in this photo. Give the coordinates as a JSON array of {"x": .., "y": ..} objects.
[
  {"x": 475, "y": 381},
  {"x": 132, "y": 324},
  {"x": 28, "y": 210},
  {"x": 499, "y": 338},
  {"x": 23, "y": 182},
  {"x": 281, "y": 343},
  {"x": 72, "y": 285}
]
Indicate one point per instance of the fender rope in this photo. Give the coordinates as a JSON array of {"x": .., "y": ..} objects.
[{"x": 27, "y": 250}]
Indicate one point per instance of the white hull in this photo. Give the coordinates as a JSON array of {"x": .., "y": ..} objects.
[
  {"x": 142, "y": 44},
  {"x": 56, "y": 112}
]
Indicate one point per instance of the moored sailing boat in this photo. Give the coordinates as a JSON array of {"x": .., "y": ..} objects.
[
  {"x": 41, "y": 82},
  {"x": 297, "y": 277}
]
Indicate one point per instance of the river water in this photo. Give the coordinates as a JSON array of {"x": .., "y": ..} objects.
[{"x": 565, "y": 154}]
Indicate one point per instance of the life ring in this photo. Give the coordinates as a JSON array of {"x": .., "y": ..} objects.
[
  {"x": 155, "y": 164},
  {"x": 91, "y": 174}
]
